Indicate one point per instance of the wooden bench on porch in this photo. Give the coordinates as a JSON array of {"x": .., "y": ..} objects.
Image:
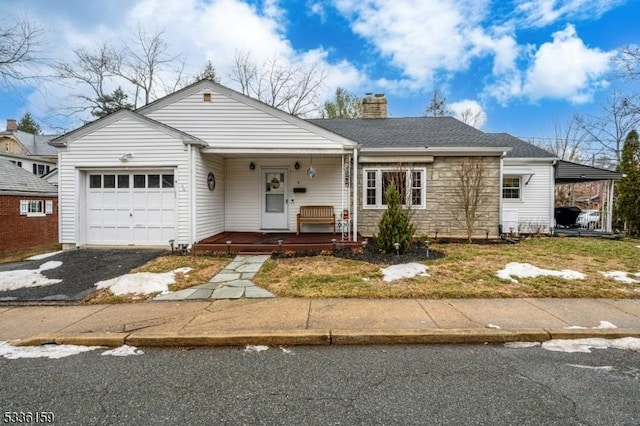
[{"x": 317, "y": 215}]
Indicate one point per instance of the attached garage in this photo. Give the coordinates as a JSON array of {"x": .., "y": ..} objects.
[{"x": 130, "y": 207}]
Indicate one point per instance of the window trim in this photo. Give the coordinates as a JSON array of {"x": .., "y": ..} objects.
[
  {"x": 520, "y": 188},
  {"x": 409, "y": 186},
  {"x": 44, "y": 207}
]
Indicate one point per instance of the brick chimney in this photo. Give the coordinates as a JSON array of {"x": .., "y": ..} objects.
[
  {"x": 12, "y": 125},
  {"x": 374, "y": 106}
]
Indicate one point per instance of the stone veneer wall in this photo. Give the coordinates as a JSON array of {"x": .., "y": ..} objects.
[{"x": 441, "y": 208}]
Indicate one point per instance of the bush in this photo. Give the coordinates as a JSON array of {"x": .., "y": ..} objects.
[{"x": 395, "y": 225}]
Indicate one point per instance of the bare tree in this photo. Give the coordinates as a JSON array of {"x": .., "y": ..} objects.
[
  {"x": 142, "y": 63},
  {"x": 471, "y": 193},
  {"x": 619, "y": 116},
  {"x": 92, "y": 70},
  {"x": 570, "y": 141},
  {"x": 471, "y": 117},
  {"x": 20, "y": 50},
  {"x": 628, "y": 61},
  {"x": 289, "y": 87}
]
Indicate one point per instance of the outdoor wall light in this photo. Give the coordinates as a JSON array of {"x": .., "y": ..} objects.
[
  {"x": 126, "y": 157},
  {"x": 252, "y": 166},
  {"x": 297, "y": 165}
]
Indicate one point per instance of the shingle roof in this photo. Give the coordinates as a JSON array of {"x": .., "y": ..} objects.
[
  {"x": 410, "y": 132},
  {"x": 521, "y": 149},
  {"x": 14, "y": 179},
  {"x": 35, "y": 144},
  {"x": 568, "y": 172}
]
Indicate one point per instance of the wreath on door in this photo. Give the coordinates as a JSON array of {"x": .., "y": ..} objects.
[{"x": 275, "y": 183}]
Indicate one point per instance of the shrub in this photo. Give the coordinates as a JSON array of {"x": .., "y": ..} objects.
[{"x": 395, "y": 225}]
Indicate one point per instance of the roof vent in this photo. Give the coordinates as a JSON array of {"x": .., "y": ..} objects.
[{"x": 206, "y": 97}]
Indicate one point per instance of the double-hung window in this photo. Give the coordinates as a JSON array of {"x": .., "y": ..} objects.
[
  {"x": 511, "y": 187},
  {"x": 410, "y": 184}
]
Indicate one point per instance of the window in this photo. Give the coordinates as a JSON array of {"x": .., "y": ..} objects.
[
  {"x": 123, "y": 181},
  {"x": 109, "y": 181},
  {"x": 40, "y": 169},
  {"x": 511, "y": 187},
  {"x": 95, "y": 181},
  {"x": 167, "y": 181},
  {"x": 17, "y": 163},
  {"x": 411, "y": 186},
  {"x": 139, "y": 181},
  {"x": 153, "y": 181},
  {"x": 36, "y": 208}
]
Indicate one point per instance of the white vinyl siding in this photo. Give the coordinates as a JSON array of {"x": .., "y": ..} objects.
[
  {"x": 533, "y": 210},
  {"x": 210, "y": 209},
  {"x": 150, "y": 148},
  {"x": 226, "y": 123},
  {"x": 243, "y": 195}
]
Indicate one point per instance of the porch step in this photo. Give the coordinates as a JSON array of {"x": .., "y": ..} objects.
[{"x": 256, "y": 253}]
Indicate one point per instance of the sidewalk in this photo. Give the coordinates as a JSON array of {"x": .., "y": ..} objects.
[{"x": 281, "y": 321}]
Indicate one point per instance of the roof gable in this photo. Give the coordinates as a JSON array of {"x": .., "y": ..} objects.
[
  {"x": 64, "y": 140},
  {"x": 231, "y": 116}
]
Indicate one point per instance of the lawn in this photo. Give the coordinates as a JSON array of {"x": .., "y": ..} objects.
[{"x": 466, "y": 271}]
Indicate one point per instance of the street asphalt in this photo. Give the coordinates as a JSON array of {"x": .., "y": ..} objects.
[{"x": 79, "y": 272}]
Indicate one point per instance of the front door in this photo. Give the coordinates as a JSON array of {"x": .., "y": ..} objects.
[{"x": 274, "y": 199}]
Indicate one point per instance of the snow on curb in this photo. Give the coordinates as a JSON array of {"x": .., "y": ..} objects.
[{"x": 45, "y": 351}]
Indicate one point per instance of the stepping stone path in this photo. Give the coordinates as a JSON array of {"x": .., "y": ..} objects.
[{"x": 233, "y": 282}]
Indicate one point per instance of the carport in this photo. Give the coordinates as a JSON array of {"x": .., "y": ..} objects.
[{"x": 568, "y": 172}]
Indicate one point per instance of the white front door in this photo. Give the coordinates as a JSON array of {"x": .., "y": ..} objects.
[{"x": 274, "y": 199}]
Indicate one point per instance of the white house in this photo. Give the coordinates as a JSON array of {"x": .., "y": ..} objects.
[{"x": 207, "y": 160}]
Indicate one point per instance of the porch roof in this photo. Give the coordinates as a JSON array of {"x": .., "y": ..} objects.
[{"x": 568, "y": 172}]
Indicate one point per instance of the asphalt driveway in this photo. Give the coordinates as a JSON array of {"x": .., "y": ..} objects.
[{"x": 80, "y": 271}]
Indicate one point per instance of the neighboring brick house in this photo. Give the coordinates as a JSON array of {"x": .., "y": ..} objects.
[{"x": 28, "y": 211}]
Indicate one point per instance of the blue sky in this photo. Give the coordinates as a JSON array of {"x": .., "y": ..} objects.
[{"x": 523, "y": 64}]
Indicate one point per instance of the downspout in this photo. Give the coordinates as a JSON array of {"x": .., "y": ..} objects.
[
  {"x": 552, "y": 198},
  {"x": 355, "y": 193},
  {"x": 192, "y": 195},
  {"x": 500, "y": 194}
]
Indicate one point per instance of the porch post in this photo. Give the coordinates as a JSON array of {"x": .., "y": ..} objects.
[
  {"x": 354, "y": 191},
  {"x": 609, "y": 224}
]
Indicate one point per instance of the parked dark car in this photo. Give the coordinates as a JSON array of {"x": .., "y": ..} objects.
[{"x": 566, "y": 216}]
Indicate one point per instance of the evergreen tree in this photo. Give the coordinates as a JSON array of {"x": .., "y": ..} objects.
[
  {"x": 627, "y": 206},
  {"x": 395, "y": 225},
  {"x": 111, "y": 103},
  {"x": 29, "y": 125},
  {"x": 346, "y": 105},
  {"x": 208, "y": 72}
]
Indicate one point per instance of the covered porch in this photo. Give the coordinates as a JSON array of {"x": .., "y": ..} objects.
[{"x": 274, "y": 242}]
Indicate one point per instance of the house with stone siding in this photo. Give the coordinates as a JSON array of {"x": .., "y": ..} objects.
[{"x": 207, "y": 160}]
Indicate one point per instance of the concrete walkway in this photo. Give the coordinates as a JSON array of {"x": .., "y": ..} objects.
[
  {"x": 233, "y": 282},
  {"x": 287, "y": 321}
]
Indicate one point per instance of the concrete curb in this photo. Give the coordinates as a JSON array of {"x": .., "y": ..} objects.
[{"x": 324, "y": 337}]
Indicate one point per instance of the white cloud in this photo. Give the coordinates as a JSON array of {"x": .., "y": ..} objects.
[
  {"x": 539, "y": 13},
  {"x": 566, "y": 69},
  {"x": 419, "y": 37},
  {"x": 470, "y": 112}
]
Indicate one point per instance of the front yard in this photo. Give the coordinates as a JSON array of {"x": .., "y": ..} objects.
[{"x": 467, "y": 271}]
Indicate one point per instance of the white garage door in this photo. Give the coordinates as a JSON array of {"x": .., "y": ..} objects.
[{"x": 126, "y": 208}]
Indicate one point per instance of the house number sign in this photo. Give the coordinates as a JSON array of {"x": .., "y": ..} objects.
[{"x": 211, "y": 181}]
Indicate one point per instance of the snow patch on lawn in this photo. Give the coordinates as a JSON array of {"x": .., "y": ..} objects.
[
  {"x": 526, "y": 270},
  {"x": 44, "y": 255},
  {"x": 141, "y": 282},
  {"x": 405, "y": 270},
  {"x": 45, "y": 351},
  {"x": 622, "y": 276},
  {"x": 124, "y": 350},
  {"x": 585, "y": 345},
  {"x": 23, "y": 278}
]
